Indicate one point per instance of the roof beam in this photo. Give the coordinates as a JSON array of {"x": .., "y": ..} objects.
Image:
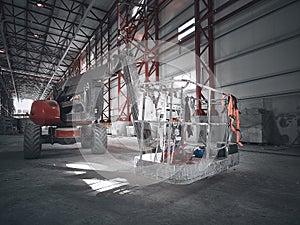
[
  {"x": 71, "y": 41},
  {"x": 85, "y": 4},
  {"x": 44, "y": 14},
  {"x": 45, "y": 38},
  {"x": 30, "y": 73},
  {"x": 106, "y": 17},
  {"x": 6, "y": 53},
  {"x": 43, "y": 32},
  {"x": 32, "y": 58},
  {"x": 36, "y": 41}
]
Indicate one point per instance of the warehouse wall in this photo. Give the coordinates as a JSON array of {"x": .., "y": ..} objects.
[
  {"x": 261, "y": 49},
  {"x": 256, "y": 58}
]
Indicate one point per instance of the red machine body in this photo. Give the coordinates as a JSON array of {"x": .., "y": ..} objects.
[
  {"x": 67, "y": 132},
  {"x": 45, "y": 112}
]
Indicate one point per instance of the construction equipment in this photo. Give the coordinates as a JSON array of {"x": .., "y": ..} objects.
[
  {"x": 175, "y": 144},
  {"x": 187, "y": 147},
  {"x": 73, "y": 113}
]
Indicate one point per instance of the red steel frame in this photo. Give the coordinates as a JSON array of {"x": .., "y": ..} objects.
[
  {"x": 128, "y": 35},
  {"x": 147, "y": 19},
  {"x": 123, "y": 102},
  {"x": 106, "y": 112}
]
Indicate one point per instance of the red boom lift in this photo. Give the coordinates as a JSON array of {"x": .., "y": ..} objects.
[{"x": 73, "y": 114}]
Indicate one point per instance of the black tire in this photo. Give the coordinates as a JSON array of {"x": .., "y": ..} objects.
[
  {"x": 32, "y": 141},
  {"x": 99, "y": 139},
  {"x": 86, "y": 137}
]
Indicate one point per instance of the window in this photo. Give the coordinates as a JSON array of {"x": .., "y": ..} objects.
[{"x": 191, "y": 24}]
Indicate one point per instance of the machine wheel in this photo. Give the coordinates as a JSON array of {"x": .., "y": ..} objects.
[
  {"x": 86, "y": 136},
  {"x": 99, "y": 139},
  {"x": 32, "y": 141}
]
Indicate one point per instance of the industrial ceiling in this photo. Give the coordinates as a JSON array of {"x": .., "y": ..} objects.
[{"x": 40, "y": 40}]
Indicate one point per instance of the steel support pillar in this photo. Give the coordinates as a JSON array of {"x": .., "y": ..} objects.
[
  {"x": 80, "y": 63},
  {"x": 101, "y": 46},
  {"x": 96, "y": 49},
  {"x": 2, "y": 102},
  {"x": 123, "y": 101},
  {"x": 156, "y": 28},
  {"x": 146, "y": 37},
  {"x": 199, "y": 94},
  {"x": 204, "y": 31},
  {"x": 106, "y": 112},
  {"x": 210, "y": 43}
]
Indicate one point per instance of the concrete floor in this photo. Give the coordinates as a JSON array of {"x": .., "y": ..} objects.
[{"x": 58, "y": 189}]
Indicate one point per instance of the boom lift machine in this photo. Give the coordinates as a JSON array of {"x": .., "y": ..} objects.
[
  {"x": 72, "y": 115},
  {"x": 175, "y": 145}
]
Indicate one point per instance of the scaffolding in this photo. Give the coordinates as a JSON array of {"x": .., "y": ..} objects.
[
  {"x": 175, "y": 144},
  {"x": 183, "y": 147}
]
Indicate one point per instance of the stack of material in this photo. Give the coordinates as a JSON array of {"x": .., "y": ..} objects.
[
  {"x": 259, "y": 122},
  {"x": 251, "y": 118},
  {"x": 6, "y": 125},
  {"x": 252, "y": 127},
  {"x": 22, "y": 123}
]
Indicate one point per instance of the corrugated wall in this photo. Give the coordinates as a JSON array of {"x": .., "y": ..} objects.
[
  {"x": 259, "y": 54},
  {"x": 257, "y": 58}
]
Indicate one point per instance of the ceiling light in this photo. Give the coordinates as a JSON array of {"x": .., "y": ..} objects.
[
  {"x": 37, "y": 36},
  {"x": 2, "y": 51},
  {"x": 40, "y": 4}
]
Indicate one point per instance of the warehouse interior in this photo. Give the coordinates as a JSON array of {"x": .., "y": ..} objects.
[{"x": 248, "y": 48}]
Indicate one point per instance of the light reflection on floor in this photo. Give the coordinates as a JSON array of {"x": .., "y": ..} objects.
[
  {"x": 89, "y": 166},
  {"x": 105, "y": 185},
  {"x": 99, "y": 185}
]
